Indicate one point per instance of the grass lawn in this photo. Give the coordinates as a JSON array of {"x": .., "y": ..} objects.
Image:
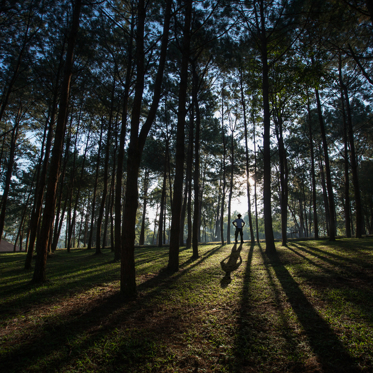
[{"x": 309, "y": 309}]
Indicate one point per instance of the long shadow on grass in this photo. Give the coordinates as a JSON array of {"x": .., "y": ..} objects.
[
  {"x": 348, "y": 267},
  {"x": 326, "y": 255},
  {"x": 63, "y": 339},
  {"x": 329, "y": 350},
  {"x": 88, "y": 274},
  {"x": 243, "y": 341},
  {"x": 353, "y": 283}
]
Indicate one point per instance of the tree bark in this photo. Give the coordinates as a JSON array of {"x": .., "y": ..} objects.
[
  {"x": 283, "y": 179},
  {"x": 42, "y": 245},
  {"x": 270, "y": 243},
  {"x": 314, "y": 200},
  {"x": 325, "y": 196},
  {"x": 146, "y": 184},
  {"x": 136, "y": 146},
  {"x": 354, "y": 165},
  {"x": 223, "y": 169},
  {"x": 347, "y": 179},
  {"x": 78, "y": 193},
  {"x": 118, "y": 187},
  {"x": 173, "y": 262},
  {"x": 196, "y": 217},
  {"x": 332, "y": 227},
  {"x": 8, "y": 176},
  {"x": 163, "y": 198},
  {"x": 230, "y": 188},
  {"x": 247, "y": 162},
  {"x": 95, "y": 192},
  {"x": 106, "y": 174}
]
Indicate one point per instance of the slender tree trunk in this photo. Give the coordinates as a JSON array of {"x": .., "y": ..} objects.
[
  {"x": 163, "y": 198},
  {"x": 314, "y": 200},
  {"x": 118, "y": 188},
  {"x": 247, "y": 162},
  {"x": 19, "y": 234},
  {"x": 146, "y": 184},
  {"x": 217, "y": 219},
  {"x": 196, "y": 217},
  {"x": 173, "y": 262},
  {"x": 71, "y": 222},
  {"x": 95, "y": 193},
  {"x": 223, "y": 169},
  {"x": 106, "y": 174},
  {"x": 283, "y": 179},
  {"x": 255, "y": 186},
  {"x": 50, "y": 201},
  {"x": 354, "y": 165},
  {"x": 332, "y": 228},
  {"x": 230, "y": 191},
  {"x": 58, "y": 221},
  {"x": 112, "y": 191},
  {"x": 78, "y": 192},
  {"x": 8, "y": 176},
  {"x": 346, "y": 180},
  {"x": 270, "y": 243},
  {"x": 188, "y": 177},
  {"x": 326, "y": 202},
  {"x": 136, "y": 146}
]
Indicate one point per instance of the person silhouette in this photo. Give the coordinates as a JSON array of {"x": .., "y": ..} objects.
[{"x": 239, "y": 224}]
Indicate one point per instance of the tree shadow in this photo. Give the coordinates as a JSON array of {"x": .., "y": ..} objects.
[
  {"x": 61, "y": 340},
  {"x": 330, "y": 352},
  {"x": 230, "y": 264}
]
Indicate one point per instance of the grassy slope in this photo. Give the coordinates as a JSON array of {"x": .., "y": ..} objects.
[{"x": 309, "y": 309}]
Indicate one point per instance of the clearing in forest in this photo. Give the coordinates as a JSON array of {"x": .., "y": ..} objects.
[{"x": 309, "y": 309}]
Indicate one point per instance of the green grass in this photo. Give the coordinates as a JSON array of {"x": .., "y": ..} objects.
[{"x": 307, "y": 309}]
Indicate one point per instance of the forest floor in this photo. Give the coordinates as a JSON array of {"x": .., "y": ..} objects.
[{"x": 308, "y": 309}]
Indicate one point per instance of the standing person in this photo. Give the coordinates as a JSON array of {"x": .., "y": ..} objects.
[{"x": 239, "y": 224}]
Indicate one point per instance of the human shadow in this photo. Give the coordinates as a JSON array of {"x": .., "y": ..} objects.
[
  {"x": 331, "y": 353},
  {"x": 230, "y": 264}
]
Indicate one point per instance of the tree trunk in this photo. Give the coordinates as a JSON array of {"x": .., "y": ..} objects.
[
  {"x": 314, "y": 201},
  {"x": 223, "y": 169},
  {"x": 255, "y": 186},
  {"x": 247, "y": 162},
  {"x": 354, "y": 165},
  {"x": 270, "y": 243},
  {"x": 347, "y": 179},
  {"x": 41, "y": 181},
  {"x": 146, "y": 184},
  {"x": 118, "y": 188},
  {"x": 48, "y": 217},
  {"x": 283, "y": 179},
  {"x": 196, "y": 217},
  {"x": 71, "y": 221},
  {"x": 163, "y": 199},
  {"x": 230, "y": 190},
  {"x": 173, "y": 262},
  {"x": 135, "y": 149},
  {"x": 78, "y": 192},
  {"x": 187, "y": 190},
  {"x": 106, "y": 174},
  {"x": 8, "y": 176},
  {"x": 332, "y": 228},
  {"x": 95, "y": 193},
  {"x": 326, "y": 203}
]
